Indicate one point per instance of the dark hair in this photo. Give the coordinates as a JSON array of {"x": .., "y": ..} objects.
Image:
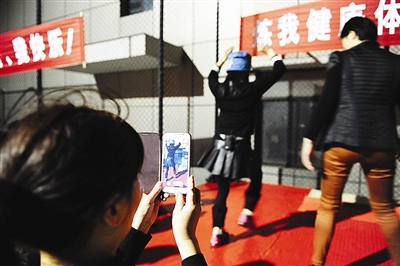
[
  {"x": 364, "y": 28},
  {"x": 64, "y": 163}
]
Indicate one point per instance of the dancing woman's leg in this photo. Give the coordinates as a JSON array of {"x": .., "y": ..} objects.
[
  {"x": 219, "y": 209},
  {"x": 254, "y": 189}
]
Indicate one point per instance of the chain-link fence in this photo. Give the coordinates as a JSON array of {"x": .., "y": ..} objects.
[
  {"x": 155, "y": 57},
  {"x": 11, "y": 104}
]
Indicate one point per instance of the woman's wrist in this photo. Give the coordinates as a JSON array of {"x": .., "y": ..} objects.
[
  {"x": 220, "y": 63},
  {"x": 188, "y": 247},
  {"x": 142, "y": 226},
  {"x": 276, "y": 57}
]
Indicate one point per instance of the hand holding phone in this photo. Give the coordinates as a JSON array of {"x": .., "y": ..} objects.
[
  {"x": 147, "y": 211},
  {"x": 175, "y": 162},
  {"x": 185, "y": 218}
]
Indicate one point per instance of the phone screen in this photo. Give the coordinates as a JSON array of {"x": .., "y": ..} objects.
[
  {"x": 150, "y": 172},
  {"x": 175, "y": 162}
]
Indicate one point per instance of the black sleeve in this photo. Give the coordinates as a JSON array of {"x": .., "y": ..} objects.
[
  {"x": 195, "y": 260},
  {"x": 213, "y": 82},
  {"x": 133, "y": 245},
  {"x": 327, "y": 103},
  {"x": 269, "y": 78}
]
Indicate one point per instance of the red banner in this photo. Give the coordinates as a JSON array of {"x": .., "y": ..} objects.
[
  {"x": 47, "y": 45},
  {"x": 316, "y": 26}
]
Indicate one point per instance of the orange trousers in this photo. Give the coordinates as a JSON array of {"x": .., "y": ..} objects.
[{"x": 379, "y": 168}]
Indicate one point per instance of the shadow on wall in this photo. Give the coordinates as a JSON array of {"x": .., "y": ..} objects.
[{"x": 180, "y": 81}]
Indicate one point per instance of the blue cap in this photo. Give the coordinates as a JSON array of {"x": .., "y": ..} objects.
[{"x": 239, "y": 61}]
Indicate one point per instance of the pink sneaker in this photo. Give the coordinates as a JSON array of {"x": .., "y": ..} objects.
[
  {"x": 245, "y": 220},
  {"x": 219, "y": 240}
]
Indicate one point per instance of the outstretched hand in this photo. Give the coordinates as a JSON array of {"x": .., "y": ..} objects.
[
  {"x": 225, "y": 57},
  {"x": 228, "y": 51},
  {"x": 266, "y": 49},
  {"x": 147, "y": 211},
  {"x": 185, "y": 217}
]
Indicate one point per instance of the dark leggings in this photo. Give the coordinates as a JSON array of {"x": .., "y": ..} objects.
[{"x": 252, "y": 193}]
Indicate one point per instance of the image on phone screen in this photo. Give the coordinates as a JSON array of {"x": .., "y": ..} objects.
[{"x": 175, "y": 162}]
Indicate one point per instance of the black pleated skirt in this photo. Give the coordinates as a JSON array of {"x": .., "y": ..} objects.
[{"x": 231, "y": 164}]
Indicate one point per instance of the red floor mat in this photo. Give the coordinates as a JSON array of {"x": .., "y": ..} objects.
[{"x": 283, "y": 233}]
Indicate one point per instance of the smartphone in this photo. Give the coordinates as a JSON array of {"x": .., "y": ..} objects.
[
  {"x": 175, "y": 162},
  {"x": 150, "y": 172}
]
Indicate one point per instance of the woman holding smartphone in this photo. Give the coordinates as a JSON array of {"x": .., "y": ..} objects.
[{"x": 70, "y": 193}]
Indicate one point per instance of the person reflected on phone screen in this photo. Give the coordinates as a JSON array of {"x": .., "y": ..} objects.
[{"x": 170, "y": 160}]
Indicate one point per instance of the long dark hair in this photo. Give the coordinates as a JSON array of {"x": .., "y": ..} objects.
[
  {"x": 62, "y": 164},
  {"x": 234, "y": 83}
]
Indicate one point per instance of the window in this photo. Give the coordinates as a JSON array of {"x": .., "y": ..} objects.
[{"x": 129, "y": 7}]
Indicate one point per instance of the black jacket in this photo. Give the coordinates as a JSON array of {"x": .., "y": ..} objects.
[
  {"x": 357, "y": 105},
  {"x": 238, "y": 102}
]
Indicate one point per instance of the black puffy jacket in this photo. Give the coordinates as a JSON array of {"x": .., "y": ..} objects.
[{"x": 365, "y": 114}]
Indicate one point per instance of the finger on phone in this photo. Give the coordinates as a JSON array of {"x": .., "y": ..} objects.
[
  {"x": 190, "y": 182},
  {"x": 156, "y": 190},
  {"x": 179, "y": 202},
  {"x": 191, "y": 194}
]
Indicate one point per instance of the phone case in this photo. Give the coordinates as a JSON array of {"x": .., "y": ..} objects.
[
  {"x": 175, "y": 162},
  {"x": 150, "y": 172}
]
